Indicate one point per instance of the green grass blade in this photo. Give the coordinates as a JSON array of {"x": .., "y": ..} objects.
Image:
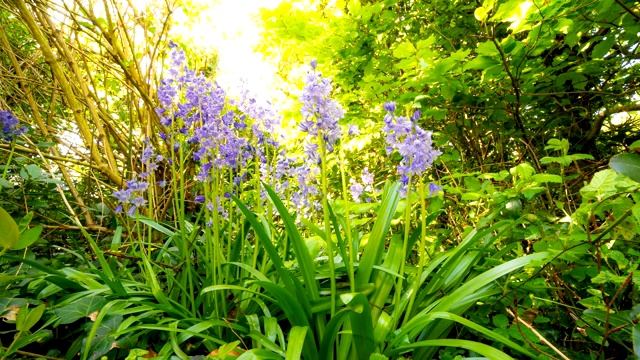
[
  {"x": 375, "y": 246},
  {"x": 361, "y": 325},
  {"x": 421, "y": 322},
  {"x": 482, "y": 349},
  {"x": 299, "y": 246},
  {"x": 296, "y": 342},
  {"x": 295, "y": 314},
  {"x": 265, "y": 240},
  {"x": 331, "y": 334},
  {"x": 485, "y": 278}
]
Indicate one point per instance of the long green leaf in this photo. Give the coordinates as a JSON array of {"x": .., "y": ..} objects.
[
  {"x": 265, "y": 240},
  {"x": 482, "y": 349},
  {"x": 422, "y": 321},
  {"x": 295, "y": 314},
  {"x": 299, "y": 247},
  {"x": 375, "y": 246},
  {"x": 296, "y": 342}
]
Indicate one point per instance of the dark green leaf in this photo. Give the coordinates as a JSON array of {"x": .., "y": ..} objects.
[{"x": 627, "y": 164}]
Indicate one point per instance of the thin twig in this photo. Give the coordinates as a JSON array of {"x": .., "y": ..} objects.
[{"x": 523, "y": 322}]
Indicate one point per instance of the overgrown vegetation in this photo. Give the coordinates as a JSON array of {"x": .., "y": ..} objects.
[{"x": 463, "y": 183}]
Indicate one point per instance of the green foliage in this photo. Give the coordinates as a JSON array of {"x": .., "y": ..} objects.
[{"x": 529, "y": 252}]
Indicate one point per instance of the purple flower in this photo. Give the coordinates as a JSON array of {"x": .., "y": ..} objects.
[
  {"x": 434, "y": 189},
  {"x": 367, "y": 177},
  {"x": 321, "y": 114},
  {"x": 354, "y": 130},
  {"x": 412, "y": 142},
  {"x": 10, "y": 126},
  {"x": 356, "y": 191},
  {"x": 199, "y": 199},
  {"x": 389, "y": 106},
  {"x": 314, "y": 63},
  {"x": 311, "y": 150}
]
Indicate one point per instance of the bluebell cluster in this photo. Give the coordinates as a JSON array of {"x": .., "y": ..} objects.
[
  {"x": 10, "y": 126},
  {"x": 414, "y": 144}
]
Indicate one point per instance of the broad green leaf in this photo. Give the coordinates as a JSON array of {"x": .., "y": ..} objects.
[
  {"x": 603, "y": 47},
  {"x": 6, "y": 184},
  {"x": 487, "y": 48},
  {"x": 9, "y": 235},
  {"x": 602, "y": 185},
  {"x": 80, "y": 308},
  {"x": 404, "y": 50},
  {"x": 25, "y": 221},
  {"x": 627, "y": 164},
  {"x": 545, "y": 178},
  {"x": 481, "y": 63},
  {"x": 33, "y": 171},
  {"x": 28, "y": 237},
  {"x": 31, "y": 319}
]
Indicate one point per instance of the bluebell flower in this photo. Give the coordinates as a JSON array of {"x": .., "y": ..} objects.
[
  {"x": 321, "y": 114},
  {"x": 412, "y": 142},
  {"x": 434, "y": 189},
  {"x": 10, "y": 126},
  {"x": 356, "y": 190}
]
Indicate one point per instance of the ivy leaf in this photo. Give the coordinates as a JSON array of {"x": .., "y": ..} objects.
[
  {"x": 627, "y": 164},
  {"x": 104, "y": 341},
  {"x": 79, "y": 309}
]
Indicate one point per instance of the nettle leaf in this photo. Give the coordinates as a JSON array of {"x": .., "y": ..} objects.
[
  {"x": 10, "y": 234},
  {"x": 557, "y": 144},
  {"x": 487, "y": 48},
  {"x": 565, "y": 160},
  {"x": 404, "y": 50},
  {"x": 603, "y": 185},
  {"x": 607, "y": 276},
  {"x": 545, "y": 178},
  {"x": 481, "y": 63},
  {"x": 80, "y": 308},
  {"x": 627, "y": 164}
]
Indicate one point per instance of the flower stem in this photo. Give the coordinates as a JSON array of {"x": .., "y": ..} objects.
[
  {"x": 407, "y": 225},
  {"x": 327, "y": 223},
  {"x": 421, "y": 252},
  {"x": 350, "y": 245},
  {"x": 6, "y": 166}
]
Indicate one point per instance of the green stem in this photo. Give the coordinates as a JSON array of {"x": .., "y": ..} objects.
[
  {"x": 6, "y": 166},
  {"x": 421, "y": 252},
  {"x": 15, "y": 340},
  {"x": 405, "y": 246},
  {"x": 350, "y": 247},
  {"x": 327, "y": 223}
]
